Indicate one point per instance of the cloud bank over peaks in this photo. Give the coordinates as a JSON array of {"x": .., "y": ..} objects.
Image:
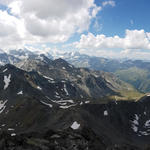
[
  {"x": 134, "y": 39},
  {"x": 134, "y": 43}
]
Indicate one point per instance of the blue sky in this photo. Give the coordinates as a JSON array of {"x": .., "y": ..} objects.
[
  {"x": 127, "y": 14},
  {"x": 108, "y": 28}
]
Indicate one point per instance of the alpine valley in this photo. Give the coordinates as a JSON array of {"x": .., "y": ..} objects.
[{"x": 73, "y": 101}]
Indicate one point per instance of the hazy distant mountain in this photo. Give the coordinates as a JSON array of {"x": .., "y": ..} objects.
[
  {"x": 15, "y": 56},
  {"x": 135, "y": 72},
  {"x": 22, "y": 53},
  {"x": 100, "y": 63},
  {"x": 7, "y": 58},
  {"x": 121, "y": 68}
]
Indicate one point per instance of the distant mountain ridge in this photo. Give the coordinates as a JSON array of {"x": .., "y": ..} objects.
[
  {"x": 84, "y": 61},
  {"x": 124, "y": 69},
  {"x": 94, "y": 84}
]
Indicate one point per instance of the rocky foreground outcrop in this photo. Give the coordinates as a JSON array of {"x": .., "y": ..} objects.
[
  {"x": 60, "y": 140},
  {"x": 112, "y": 126}
]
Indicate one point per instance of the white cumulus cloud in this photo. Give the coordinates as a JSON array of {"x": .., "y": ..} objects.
[
  {"x": 134, "y": 39},
  {"x": 32, "y": 21},
  {"x": 135, "y": 44}
]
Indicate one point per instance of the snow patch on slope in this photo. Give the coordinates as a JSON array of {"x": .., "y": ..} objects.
[
  {"x": 105, "y": 113},
  {"x": 48, "y": 78},
  {"x": 75, "y": 125},
  {"x": 5, "y": 70},
  {"x": 147, "y": 124},
  {"x": 66, "y": 101},
  {"x": 47, "y": 104},
  {"x": 67, "y": 106},
  {"x": 65, "y": 89},
  {"x": 20, "y": 93},
  {"x": 38, "y": 87},
  {"x": 7, "y": 81},
  {"x": 135, "y": 123},
  {"x": 11, "y": 129},
  {"x": 2, "y": 106},
  {"x": 146, "y": 131},
  {"x": 13, "y": 134}
]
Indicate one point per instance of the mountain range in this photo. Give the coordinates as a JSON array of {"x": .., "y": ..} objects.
[
  {"x": 49, "y": 103},
  {"x": 123, "y": 69},
  {"x": 134, "y": 72}
]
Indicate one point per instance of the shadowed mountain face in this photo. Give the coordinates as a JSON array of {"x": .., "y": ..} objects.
[{"x": 30, "y": 122}]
